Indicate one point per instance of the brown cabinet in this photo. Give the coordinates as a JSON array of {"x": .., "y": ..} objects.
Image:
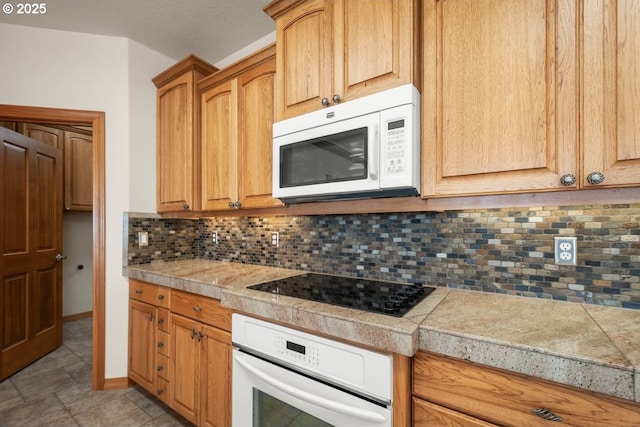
[
  {"x": 148, "y": 347},
  {"x": 610, "y": 88},
  {"x": 201, "y": 354},
  {"x": 77, "y": 146},
  {"x": 533, "y": 96},
  {"x": 331, "y": 51},
  {"x": 78, "y": 171},
  {"x": 466, "y": 394},
  {"x": 236, "y": 138},
  {"x": 178, "y": 121}
]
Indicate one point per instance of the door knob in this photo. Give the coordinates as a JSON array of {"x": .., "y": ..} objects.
[{"x": 60, "y": 257}]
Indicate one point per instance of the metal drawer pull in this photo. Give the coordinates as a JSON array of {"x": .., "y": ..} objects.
[
  {"x": 197, "y": 309},
  {"x": 139, "y": 291},
  {"x": 546, "y": 414},
  {"x": 161, "y": 297}
]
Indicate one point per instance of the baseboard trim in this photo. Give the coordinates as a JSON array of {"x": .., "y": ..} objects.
[
  {"x": 77, "y": 316},
  {"x": 116, "y": 383}
]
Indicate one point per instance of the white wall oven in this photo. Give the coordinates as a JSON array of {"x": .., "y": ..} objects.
[
  {"x": 368, "y": 147},
  {"x": 285, "y": 377}
]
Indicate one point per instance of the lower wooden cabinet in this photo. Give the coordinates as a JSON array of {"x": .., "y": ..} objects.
[
  {"x": 180, "y": 350},
  {"x": 426, "y": 414},
  {"x": 452, "y": 392}
]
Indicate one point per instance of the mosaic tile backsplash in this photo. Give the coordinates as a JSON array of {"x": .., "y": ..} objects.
[{"x": 492, "y": 250}]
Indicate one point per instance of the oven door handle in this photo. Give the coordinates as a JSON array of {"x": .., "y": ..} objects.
[{"x": 310, "y": 398}]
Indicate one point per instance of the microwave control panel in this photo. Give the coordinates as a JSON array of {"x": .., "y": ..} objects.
[{"x": 396, "y": 155}]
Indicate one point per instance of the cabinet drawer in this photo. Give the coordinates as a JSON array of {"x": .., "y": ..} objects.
[
  {"x": 151, "y": 294},
  {"x": 426, "y": 414},
  {"x": 163, "y": 390},
  {"x": 203, "y": 309},
  {"x": 162, "y": 366},
  {"x": 162, "y": 343},
  {"x": 507, "y": 399},
  {"x": 163, "y": 319}
]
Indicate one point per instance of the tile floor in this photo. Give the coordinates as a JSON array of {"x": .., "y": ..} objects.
[{"x": 56, "y": 391}]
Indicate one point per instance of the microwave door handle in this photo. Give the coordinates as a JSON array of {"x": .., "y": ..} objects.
[
  {"x": 374, "y": 156},
  {"x": 311, "y": 398}
]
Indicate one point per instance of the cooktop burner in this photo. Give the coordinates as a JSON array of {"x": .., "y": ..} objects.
[{"x": 394, "y": 299}]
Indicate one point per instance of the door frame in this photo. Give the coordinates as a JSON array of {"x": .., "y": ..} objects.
[{"x": 96, "y": 119}]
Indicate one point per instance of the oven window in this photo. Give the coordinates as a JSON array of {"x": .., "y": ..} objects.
[
  {"x": 333, "y": 158},
  {"x": 271, "y": 412}
]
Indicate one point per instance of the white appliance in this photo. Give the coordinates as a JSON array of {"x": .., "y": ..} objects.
[
  {"x": 368, "y": 147},
  {"x": 285, "y": 377}
]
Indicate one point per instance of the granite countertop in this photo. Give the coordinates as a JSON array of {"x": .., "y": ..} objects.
[{"x": 587, "y": 346}]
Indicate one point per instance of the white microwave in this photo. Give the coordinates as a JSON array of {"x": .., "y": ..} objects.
[{"x": 368, "y": 147}]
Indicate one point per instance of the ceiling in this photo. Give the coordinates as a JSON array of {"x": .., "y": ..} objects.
[{"x": 210, "y": 29}]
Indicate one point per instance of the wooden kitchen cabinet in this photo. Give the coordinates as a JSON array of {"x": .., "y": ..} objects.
[
  {"x": 236, "y": 138},
  {"x": 499, "y": 96},
  {"x": 528, "y": 97},
  {"x": 178, "y": 147},
  {"x": 331, "y": 51},
  {"x": 610, "y": 87},
  {"x": 201, "y": 356},
  {"x": 148, "y": 347},
  {"x": 462, "y": 393},
  {"x": 77, "y": 146},
  {"x": 78, "y": 171}
]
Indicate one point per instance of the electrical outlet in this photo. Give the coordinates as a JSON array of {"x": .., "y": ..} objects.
[
  {"x": 143, "y": 238},
  {"x": 565, "y": 250},
  {"x": 275, "y": 239},
  {"x": 214, "y": 237}
]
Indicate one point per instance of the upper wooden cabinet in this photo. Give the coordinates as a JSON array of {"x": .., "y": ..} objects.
[
  {"x": 533, "y": 96},
  {"x": 178, "y": 122},
  {"x": 499, "y": 96},
  {"x": 611, "y": 92},
  {"x": 78, "y": 171},
  {"x": 236, "y": 138},
  {"x": 332, "y": 51},
  {"x": 77, "y": 145}
]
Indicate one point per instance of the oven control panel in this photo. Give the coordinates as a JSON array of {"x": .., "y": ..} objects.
[{"x": 356, "y": 368}]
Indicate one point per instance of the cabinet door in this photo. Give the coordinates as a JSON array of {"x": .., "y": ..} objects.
[
  {"x": 375, "y": 46},
  {"x": 216, "y": 378},
  {"x": 46, "y": 134},
  {"x": 218, "y": 145},
  {"x": 499, "y": 96},
  {"x": 142, "y": 341},
  {"x": 175, "y": 145},
  {"x": 78, "y": 172},
  {"x": 255, "y": 141},
  {"x": 185, "y": 358},
  {"x": 304, "y": 55},
  {"x": 611, "y": 92}
]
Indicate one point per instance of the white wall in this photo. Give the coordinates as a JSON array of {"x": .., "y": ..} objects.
[
  {"x": 77, "y": 284},
  {"x": 60, "y": 69}
]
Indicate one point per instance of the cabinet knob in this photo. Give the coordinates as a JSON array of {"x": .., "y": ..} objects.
[
  {"x": 595, "y": 178},
  {"x": 197, "y": 309},
  {"x": 160, "y": 321},
  {"x": 161, "y": 297},
  {"x": 160, "y": 368},
  {"x": 325, "y": 101},
  {"x": 193, "y": 333},
  {"x": 160, "y": 391},
  {"x": 150, "y": 317},
  {"x": 160, "y": 344},
  {"x": 237, "y": 205},
  {"x": 138, "y": 291},
  {"x": 336, "y": 98},
  {"x": 185, "y": 206},
  {"x": 568, "y": 180}
]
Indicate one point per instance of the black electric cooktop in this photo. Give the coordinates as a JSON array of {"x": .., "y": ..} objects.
[{"x": 390, "y": 298}]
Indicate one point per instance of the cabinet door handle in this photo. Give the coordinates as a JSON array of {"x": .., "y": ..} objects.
[
  {"x": 160, "y": 368},
  {"x": 193, "y": 333},
  {"x": 546, "y": 414},
  {"x": 200, "y": 335},
  {"x": 568, "y": 180},
  {"x": 197, "y": 309},
  {"x": 138, "y": 291},
  {"x": 595, "y": 178},
  {"x": 160, "y": 344},
  {"x": 160, "y": 321},
  {"x": 151, "y": 317},
  {"x": 185, "y": 206},
  {"x": 161, "y": 297}
]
